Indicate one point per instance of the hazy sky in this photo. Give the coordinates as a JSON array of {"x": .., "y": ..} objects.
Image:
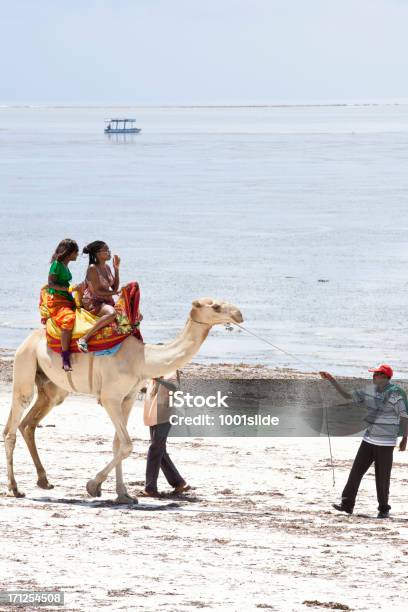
[{"x": 202, "y": 51}]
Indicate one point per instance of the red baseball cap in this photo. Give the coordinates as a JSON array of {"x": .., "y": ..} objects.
[{"x": 384, "y": 369}]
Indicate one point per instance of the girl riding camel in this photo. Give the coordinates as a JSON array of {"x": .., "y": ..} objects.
[
  {"x": 60, "y": 303},
  {"x": 100, "y": 287}
]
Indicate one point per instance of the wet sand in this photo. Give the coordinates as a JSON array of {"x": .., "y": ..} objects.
[{"x": 256, "y": 531}]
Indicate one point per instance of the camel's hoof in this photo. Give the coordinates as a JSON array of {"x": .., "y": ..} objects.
[
  {"x": 44, "y": 484},
  {"x": 126, "y": 499},
  {"x": 94, "y": 488},
  {"x": 15, "y": 493}
]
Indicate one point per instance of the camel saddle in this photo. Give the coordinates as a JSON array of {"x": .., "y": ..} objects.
[{"x": 126, "y": 324}]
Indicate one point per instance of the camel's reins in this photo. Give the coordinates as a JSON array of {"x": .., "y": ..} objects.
[{"x": 309, "y": 366}]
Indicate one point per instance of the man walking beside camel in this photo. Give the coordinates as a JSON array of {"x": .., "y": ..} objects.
[
  {"x": 387, "y": 408},
  {"x": 156, "y": 416}
]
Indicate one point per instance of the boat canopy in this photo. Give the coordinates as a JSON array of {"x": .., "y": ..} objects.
[{"x": 125, "y": 125}]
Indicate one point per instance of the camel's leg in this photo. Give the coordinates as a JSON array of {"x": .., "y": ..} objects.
[
  {"x": 21, "y": 400},
  {"x": 49, "y": 395},
  {"x": 113, "y": 407},
  {"x": 123, "y": 496},
  {"x": 25, "y": 367}
]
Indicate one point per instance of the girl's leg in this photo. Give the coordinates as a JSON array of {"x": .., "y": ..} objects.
[
  {"x": 66, "y": 339},
  {"x": 65, "y": 344},
  {"x": 66, "y": 335},
  {"x": 107, "y": 315}
]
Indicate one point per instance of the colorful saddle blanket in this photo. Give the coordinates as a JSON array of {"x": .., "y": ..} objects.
[{"x": 126, "y": 324}]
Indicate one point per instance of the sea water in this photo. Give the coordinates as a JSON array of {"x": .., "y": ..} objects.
[{"x": 298, "y": 215}]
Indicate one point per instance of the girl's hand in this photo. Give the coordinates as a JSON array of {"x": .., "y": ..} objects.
[
  {"x": 116, "y": 261},
  {"x": 403, "y": 444}
]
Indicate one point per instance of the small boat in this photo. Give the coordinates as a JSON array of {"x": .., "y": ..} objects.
[{"x": 121, "y": 126}]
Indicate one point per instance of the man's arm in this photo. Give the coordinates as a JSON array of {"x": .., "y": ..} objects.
[
  {"x": 335, "y": 384},
  {"x": 404, "y": 425}
]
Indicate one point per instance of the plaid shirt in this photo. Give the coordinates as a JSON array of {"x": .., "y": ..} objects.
[{"x": 384, "y": 411}]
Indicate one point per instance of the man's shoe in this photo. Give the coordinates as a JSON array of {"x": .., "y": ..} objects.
[
  {"x": 384, "y": 514},
  {"x": 148, "y": 493},
  {"x": 342, "y": 508},
  {"x": 181, "y": 488}
]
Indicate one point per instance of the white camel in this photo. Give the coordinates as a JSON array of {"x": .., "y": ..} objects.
[{"x": 115, "y": 381}]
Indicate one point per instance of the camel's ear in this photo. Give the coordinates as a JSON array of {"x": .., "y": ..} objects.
[
  {"x": 216, "y": 307},
  {"x": 197, "y": 304}
]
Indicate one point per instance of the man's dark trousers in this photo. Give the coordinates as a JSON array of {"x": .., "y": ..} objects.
[
  {"x": 367, "y": 454},
  {"x": 157, "y": 458}
]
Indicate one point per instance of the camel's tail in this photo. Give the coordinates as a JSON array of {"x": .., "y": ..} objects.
[{"x": 24, "y": 372}]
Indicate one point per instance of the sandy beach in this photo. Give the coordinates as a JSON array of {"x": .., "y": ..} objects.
[{"x": 256, "y": 531}]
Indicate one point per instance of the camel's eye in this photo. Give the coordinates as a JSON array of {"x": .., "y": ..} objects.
[{"x": 216, "y": 307}]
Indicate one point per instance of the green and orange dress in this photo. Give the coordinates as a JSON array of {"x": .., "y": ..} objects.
[{"x": 61, "y": 304}]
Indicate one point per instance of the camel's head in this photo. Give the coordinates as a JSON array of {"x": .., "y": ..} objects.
[{"x": 214, "y": 312}]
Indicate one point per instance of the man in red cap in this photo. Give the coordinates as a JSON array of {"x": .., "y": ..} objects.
[{"x": 386, "y": 409}]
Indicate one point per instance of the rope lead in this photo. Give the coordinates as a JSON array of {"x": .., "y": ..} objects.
[{"x": 309, "y": 366}]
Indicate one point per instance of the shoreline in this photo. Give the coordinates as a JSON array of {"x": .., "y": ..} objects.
[{"x": 211, "y": 371}]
